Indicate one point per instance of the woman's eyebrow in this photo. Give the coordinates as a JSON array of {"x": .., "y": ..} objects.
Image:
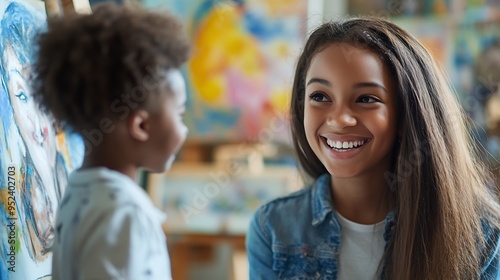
[
  {"x": 358, "y": 85},
  {"x": 320, "y": 81},
  {"x": 370, "y": 84}
]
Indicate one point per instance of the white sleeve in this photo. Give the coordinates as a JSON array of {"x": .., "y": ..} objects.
[{"x": 123, "y": 246}]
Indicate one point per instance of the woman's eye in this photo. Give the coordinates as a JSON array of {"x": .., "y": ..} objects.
[
  {"x": 22, "y": 96},
  {"x": 318, "y": 97},
  {"x": 367, "y": 99}
]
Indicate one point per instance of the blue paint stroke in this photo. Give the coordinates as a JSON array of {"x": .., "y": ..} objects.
[
  {"x": 5, "y": 107},
  {"x": 263, "y": 27},
  {"x": 203, "y": 10},
  {"x": 212, "y": 118},
  {"x": 76, "y": 148}
]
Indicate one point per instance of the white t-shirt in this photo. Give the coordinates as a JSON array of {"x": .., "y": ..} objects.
[
  {"x": 108, "y": 228},
  {"x": 361, "y": 249}
]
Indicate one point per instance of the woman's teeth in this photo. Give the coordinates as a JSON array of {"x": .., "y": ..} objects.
[{"x": 342, "y": 146}]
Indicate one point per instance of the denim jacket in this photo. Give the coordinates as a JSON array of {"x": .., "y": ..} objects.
[{"x": 298, "y": 237}]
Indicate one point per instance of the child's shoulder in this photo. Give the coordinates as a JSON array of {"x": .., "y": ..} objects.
[{"x": 105, "y": 189}]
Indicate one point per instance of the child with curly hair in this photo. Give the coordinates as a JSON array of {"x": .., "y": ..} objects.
[{"x": 114, "y": 77}]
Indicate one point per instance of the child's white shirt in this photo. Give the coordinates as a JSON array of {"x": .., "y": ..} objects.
[{"x": 108, "y": 228}]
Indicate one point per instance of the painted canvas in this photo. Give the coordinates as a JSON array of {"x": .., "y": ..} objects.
[
  {"x": 34, "y": 158},
  {"x": 241, "y": 71}
]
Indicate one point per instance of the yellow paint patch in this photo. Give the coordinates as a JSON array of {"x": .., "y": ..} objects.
[
  {"x": 216, "y": 53},
  {"x": 280, "y": 100}
]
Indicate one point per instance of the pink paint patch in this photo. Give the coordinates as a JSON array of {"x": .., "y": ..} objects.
[
  {"x": 245, "y": 92},
  {"x": 250, "y": 96},
  {"x": 251, "y": 126},
  {"x": 45, "y": 135}
]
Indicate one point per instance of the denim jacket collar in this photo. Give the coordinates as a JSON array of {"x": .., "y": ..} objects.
[
  {"x": 321, "y": 196},
  {"x": 322, "y": 205}
]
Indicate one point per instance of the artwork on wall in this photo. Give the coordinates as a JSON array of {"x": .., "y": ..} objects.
[
  {"x": 241, "y": 70},
  {"x": 433, "y": 33},
  {"x": 457, "y": 41},
  {"x": 478, "y": 30},
  {"x": 411, "y": 8},
  {"x": 34, "y": 159}
]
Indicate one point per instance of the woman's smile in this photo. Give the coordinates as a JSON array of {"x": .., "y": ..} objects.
[{"x": 344, "y": 149}]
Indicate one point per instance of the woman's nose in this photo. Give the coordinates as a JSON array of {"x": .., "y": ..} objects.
[{"x": 341, "y": 118}]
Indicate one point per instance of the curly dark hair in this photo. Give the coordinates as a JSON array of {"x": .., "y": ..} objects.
[{"x": 88, "y": 64}]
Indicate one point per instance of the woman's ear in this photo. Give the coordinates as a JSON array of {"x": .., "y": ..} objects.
[{"x": 138, "y": 125}]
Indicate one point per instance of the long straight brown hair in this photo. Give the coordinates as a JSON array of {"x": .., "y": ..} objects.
[{"x": 441, "y": 193}]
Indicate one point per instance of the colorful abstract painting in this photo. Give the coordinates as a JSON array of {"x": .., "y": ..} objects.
[
  {"x": 34, "y": 159},
  {"x": 241, "y": 70}
]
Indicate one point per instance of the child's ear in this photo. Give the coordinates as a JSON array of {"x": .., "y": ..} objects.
[{"x": 138, "y": 125}]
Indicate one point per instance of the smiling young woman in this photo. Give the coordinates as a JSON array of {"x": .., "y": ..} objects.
[{"x": 398, "y": 191}]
